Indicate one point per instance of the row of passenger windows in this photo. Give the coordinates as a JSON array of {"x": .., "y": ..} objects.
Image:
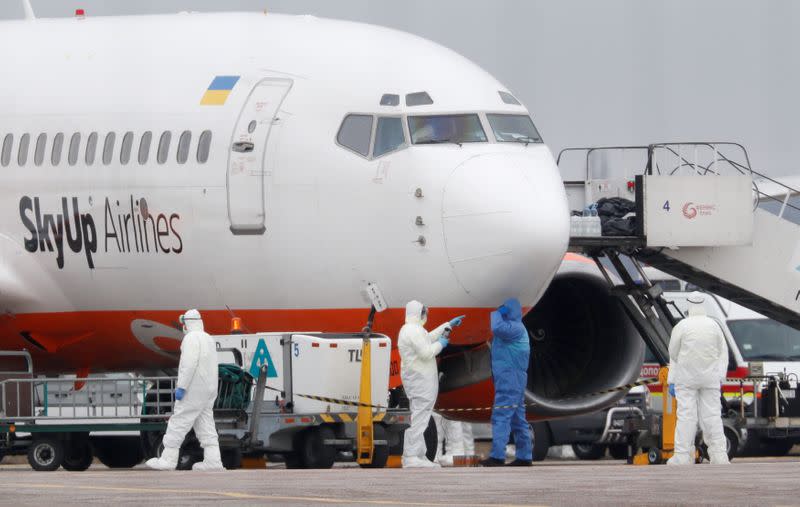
[
  {"x": 355, "y": 132},
  {"x": 54, "y": 153}
]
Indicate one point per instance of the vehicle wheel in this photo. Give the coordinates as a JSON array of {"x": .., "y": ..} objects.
[
  {"x": 292, "y": 460},
  {"x": 731, "y": 443},
  {"x": 654, "y": 456},
  {"x": 431, "y": 440},
  {"x": 78, "y": 456},
  {"x": 380, "y": 454},
  {"x": 589, "y": 451},
  {"x": 618, "y": 451},
  {"x": 118, "y": 452},
  {"x": 313, "y": 451},
  {"x": 231, "y": 458},
  {"x": 541, "y": 441},
  {"x": 46, "y": 454}
]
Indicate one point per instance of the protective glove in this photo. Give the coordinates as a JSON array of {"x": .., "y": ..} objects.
[
  {"x": 457, "y": 321},
  {"x": 180, "y": 393},
  {"x": 672, "y": 390},
  {"x": 503, "y": 310},
  {"x": 444, "y": 341}
]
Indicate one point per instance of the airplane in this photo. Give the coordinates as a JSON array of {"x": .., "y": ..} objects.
[{"x": 270, "y": 166}]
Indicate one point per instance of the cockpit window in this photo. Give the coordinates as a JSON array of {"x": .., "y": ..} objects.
[
  {"x": 452, "y": 128},
  {"x": 513, "y": 128},
  {"x": 355, "y": 133},
  {"x": 389, "y": 136},
  {"x": 507, "y": 98}
]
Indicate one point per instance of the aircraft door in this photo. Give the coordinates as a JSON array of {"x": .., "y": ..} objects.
[{"x": 246, "y": 160}]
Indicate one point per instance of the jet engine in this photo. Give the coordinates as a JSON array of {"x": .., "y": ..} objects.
[{"x": 582, "y": 343}]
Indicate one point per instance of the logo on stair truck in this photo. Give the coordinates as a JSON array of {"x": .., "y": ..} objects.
[
  {"x": 127, "y": 227},
  {"x": 690, "y": 210}
]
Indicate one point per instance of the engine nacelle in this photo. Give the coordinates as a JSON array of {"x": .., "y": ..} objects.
[{"x": 582, "y": 342}]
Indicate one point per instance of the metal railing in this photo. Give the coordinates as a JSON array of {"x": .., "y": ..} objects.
[
  {"x": 700, "y": 158},
  {"x": 146, "y": 398}
]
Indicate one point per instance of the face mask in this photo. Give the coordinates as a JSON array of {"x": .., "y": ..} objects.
[{"x": 424, "y": 316}]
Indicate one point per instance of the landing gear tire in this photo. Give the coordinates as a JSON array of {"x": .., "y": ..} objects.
[
  {"x": 776, "y": 447},
  {"x": 541, "y": 441},
  {"x": 380, "y": 453},
  {"x": 618, "y": 451},
  {"x": 46, "y": 454},
  {"x": 589, "y": 451},
  {"x": 78, "y": 456}
]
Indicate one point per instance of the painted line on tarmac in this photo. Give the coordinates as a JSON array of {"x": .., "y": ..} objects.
[{"x": 246, "y": 496}]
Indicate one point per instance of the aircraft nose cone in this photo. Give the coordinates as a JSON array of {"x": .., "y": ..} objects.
[{"x": 506, "y": 225}]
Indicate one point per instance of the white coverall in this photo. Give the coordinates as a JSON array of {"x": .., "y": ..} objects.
[
  {"x": 197, "y": 375},
  {"x": 698, "y": 364},
  {"x": 418, "y": 350},
  {"x": 454, "y": 436}
]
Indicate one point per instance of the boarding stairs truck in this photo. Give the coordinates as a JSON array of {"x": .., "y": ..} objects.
[
  {"x": 302, "y": 398},
  {"x": 701, "y": 214}
]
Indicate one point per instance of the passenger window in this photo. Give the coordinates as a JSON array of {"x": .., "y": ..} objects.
[
  {"x": 144, "y": 147},
  {"x": 108, "y": 148},
  {"x": 24, "y": 144},
  {"x": 38, "y": 154},
  {"x": 5, "y": 156},
  {"x": 389, "y": 136},
  {"x": 183, "y": 146},
  {"x": 163, "y": 146},
  {"x": 74, "y": 147},
  {"x": 204, "y": 147},
  {"x": 355, "y": 133},
  {"x": 58, "y": 145},
  {"x": 91, "y": 148},
  {"x": 127, "y": 147}
]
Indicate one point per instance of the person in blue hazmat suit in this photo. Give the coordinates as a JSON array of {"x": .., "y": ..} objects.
[
  {"x": 698, "y": 363},
  {"x": 420, "y": 375},
  {"x": 195, "y": 392},
  {"x": 510, "y": 356}
]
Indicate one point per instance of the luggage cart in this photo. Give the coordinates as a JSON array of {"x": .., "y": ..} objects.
[{"x": 61, "y": 422}]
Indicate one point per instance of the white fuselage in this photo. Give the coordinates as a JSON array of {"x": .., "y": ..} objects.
[{"x": 287, "y": 234}]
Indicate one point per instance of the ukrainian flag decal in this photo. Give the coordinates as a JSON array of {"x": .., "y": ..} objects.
[{"x": 218, "y": 91}]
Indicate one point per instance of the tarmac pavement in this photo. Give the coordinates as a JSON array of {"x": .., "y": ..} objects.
[{"x": 759, "y": 481}]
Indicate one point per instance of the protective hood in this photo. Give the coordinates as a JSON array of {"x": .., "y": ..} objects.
[
  {"x": 415, "y": 313},
  {"x": 696, "y": 300},
  {"x": 515, "y": 309},
  {"x": 192, "y": 321}
]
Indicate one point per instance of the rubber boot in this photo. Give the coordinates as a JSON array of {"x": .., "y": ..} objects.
[
  {"x": 211, "y": 460},
  {"x": 167, "y": 461}
]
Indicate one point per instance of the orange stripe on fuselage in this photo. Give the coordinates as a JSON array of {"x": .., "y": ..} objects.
[{"x": 112, "y": 345}]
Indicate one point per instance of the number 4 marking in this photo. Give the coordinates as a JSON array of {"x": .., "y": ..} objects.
[{"x": 666, "y": 205}]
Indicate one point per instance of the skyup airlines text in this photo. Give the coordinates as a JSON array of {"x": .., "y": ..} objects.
[{"x": 128, "y": 227}]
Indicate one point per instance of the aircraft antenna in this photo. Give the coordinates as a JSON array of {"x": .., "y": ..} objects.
[{"x": 29, "y": 15}]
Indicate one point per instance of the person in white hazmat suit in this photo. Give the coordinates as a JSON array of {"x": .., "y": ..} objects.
[
  {"x": 698, "y": 363},
  {"x": 195, "y": 392},
  {"x": 420, "y": 375}
]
